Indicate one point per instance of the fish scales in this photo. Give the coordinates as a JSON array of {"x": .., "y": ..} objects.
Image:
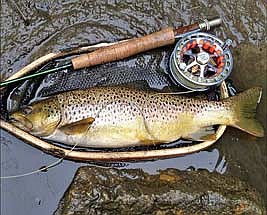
[
  {"x": 113, "y": 105},
  {"x": 121, "y": 116}
]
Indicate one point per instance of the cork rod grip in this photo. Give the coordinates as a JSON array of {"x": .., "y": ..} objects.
[{"x": 125, "y": 49}]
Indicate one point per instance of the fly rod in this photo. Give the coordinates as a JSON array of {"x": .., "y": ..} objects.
[{"x": 126, "y": 49}]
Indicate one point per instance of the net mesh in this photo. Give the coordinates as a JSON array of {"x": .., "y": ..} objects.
[{"x": 150, "y": 69}]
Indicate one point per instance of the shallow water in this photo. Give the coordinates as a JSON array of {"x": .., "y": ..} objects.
[{"x": 55, "y": 25}]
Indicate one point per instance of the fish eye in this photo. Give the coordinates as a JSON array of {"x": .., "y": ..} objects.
[{"x": 26, "y": 110}]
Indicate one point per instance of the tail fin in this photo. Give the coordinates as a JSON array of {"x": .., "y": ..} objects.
[{"x": 245, "y": 105}]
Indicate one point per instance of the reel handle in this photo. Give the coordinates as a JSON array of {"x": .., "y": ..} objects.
[{"x": 137, "y": 45}]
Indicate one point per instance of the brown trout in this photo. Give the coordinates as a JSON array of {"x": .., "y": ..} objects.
[{"x": 120, "y": 117}]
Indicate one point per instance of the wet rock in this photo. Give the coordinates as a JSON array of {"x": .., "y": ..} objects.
[{"x": 127, "y": 191}]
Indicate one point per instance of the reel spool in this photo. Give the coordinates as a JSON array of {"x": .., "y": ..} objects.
[{"x": 201, "y": 60}]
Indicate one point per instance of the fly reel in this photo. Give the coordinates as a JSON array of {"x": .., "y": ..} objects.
[{"x": 201, "y": 60}]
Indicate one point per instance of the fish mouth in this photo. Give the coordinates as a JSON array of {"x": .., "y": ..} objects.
[{"x": 21, "y": 122}]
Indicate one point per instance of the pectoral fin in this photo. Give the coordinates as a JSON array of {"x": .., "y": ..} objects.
[
  {"x": 78, "y": 127},
  {"x": 203, "y": 134}
]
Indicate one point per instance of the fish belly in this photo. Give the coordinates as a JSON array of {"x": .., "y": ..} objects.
[{"x": 108, "y": 136}]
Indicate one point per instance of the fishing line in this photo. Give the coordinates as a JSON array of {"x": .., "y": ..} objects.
[{"x": 43, "y": 169}]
